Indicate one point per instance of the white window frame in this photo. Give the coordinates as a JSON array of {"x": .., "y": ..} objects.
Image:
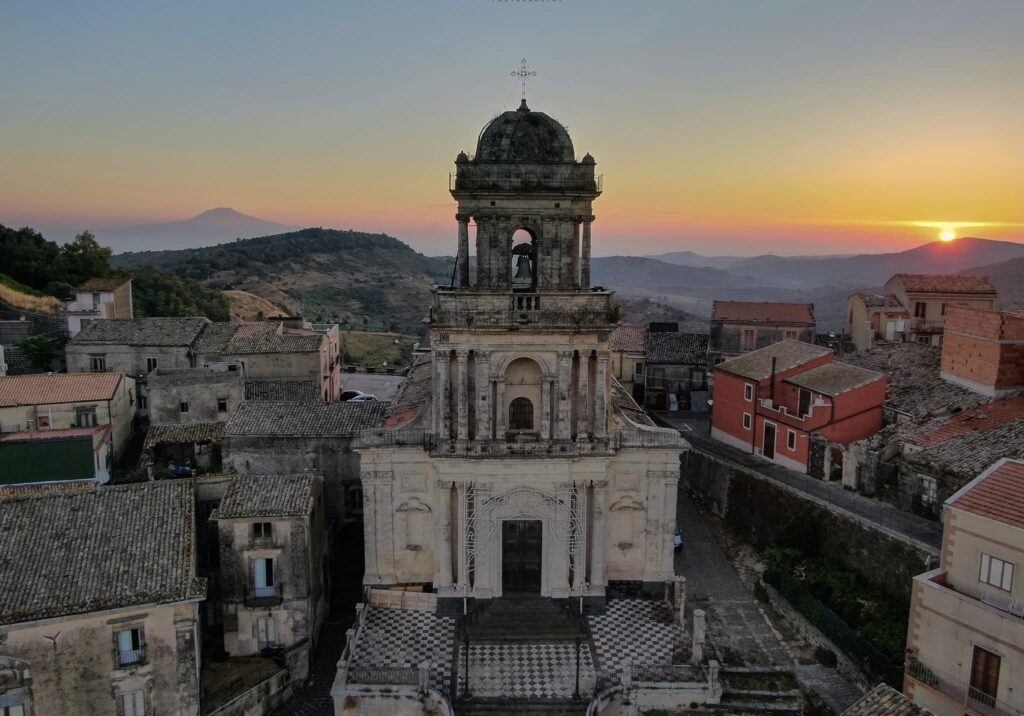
[
  {"x": 133, "y": 703},
  {"x": 996, "y": 572},
  {"x": 748, "y": 392},
  {"x": 130, "y": 645},
  {"x": 13, "y": 710},
  {"x": 791, "y": 439},
  {"x": 929, "y": 490},
  {"x": 748, "y": 421},
  {"x": 266, "y": 632}
]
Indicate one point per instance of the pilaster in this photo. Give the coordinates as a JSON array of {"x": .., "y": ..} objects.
[
  {"x": 443, "y": 509},
  {"x": 443, "y": 393},
  {"x": 483, "y": 390},
  {"x": 583, "y": 397},
  {"x": 601, "y": 396},
  {"x": 462, "y": 393},
  {"x": 563, "y": 428},
  {"x": 545, "y": 409},
  {"x": 461, "y": 580},
  {"x": 585, "y": 257},
  {"x": 462, "y": 260},
  {"x": 598, "y": 541},
  {"x": 500, "y": 412}
]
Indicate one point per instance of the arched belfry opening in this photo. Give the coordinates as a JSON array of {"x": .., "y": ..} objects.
[{"x": 524, "y": 260}]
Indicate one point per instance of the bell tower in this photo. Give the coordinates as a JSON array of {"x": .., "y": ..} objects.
[{"x": 521, "y": 346}]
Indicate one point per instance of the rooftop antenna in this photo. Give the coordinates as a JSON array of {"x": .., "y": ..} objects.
[{"x": 523, "y": 74}]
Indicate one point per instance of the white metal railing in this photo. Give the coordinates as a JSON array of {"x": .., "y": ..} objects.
[{"x": 959, "y": 690}]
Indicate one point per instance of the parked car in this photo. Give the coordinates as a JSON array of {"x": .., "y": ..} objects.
[
  {"x": 365, "y": 396},
  {"x": 350, "y": 394}
]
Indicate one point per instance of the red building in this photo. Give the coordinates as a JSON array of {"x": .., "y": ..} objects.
[{"x": 772, "y": 401}]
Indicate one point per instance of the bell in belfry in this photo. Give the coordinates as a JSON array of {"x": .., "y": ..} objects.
[{"x": 523, "y": 270}]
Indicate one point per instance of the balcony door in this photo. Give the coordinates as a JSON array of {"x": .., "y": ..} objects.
[{"x": 984, "y": 676}]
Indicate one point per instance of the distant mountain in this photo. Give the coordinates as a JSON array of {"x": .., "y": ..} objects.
[
  {"x": 690, "y": 258},
  {"x": 655, "y": 275},
  {"x": 207, "y": 229},
  {"x": 873, "y": 270}
]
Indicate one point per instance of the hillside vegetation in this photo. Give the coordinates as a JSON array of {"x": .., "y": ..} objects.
[
  {"x": 27, "y": 299},
  {"x": 362, "y": 280}
]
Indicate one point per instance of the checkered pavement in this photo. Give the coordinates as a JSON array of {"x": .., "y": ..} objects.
[
  {"x": 404, "y": 638},
  {"x": 526, "y": 670},
  {"x": 635, "y": 629}
]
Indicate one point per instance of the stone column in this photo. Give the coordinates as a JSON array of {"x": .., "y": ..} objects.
[
  {"x": 483, "y": 252},
  {"x": 462, "y": 260},
  {"x": 583, "y": 397},
  {"x": 500, "y": 414},
  {"x": 671, "y": 490},
  {"x": 443, "y": 394},
  {"x": 599, "y": 539},
  {"x": 371, "y": 572},
  {"x": 699, "y": 635},
  {"x": 579, "y": 567},
  {"x": 462, "y": 393},
  {"x": 444, "y": 550},
  {"x": 563, "y": 429},
  {"x": 585, "y": 257},
  {"x": 483, "y": 397},
  {"x": 461, "y": 581},
  {"x": 545, "y": 409},
  {"x": 601, "y": 396},
  {"x": 574, "y": 261}
]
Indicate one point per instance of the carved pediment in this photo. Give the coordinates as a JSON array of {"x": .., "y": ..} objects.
[{"x": 627, "y": 502}]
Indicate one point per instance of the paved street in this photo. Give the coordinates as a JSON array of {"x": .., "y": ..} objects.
[
  {"x": 694, "y": 427},
  {"x": 380, "y": 384}
]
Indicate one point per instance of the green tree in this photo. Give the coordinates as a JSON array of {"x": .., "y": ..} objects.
[
  {"x": 83, "y": 259},
  {"x": 38, "y": 352}
]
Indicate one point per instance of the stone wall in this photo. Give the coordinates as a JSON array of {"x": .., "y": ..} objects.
[{"x": 763, "y": 511}]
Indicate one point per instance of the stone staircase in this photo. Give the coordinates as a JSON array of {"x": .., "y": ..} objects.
[{"x": 529, "y": 620}]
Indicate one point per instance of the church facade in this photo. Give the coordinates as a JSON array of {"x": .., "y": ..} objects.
[{"x": 511, "y": 461}]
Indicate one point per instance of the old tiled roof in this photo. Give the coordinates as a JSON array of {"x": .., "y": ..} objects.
[
  {"x": 282, "y": 390},
  {"x": 28, "y": 489},
  {"x": 678, "y": 348},
  {"x": 264, "y": 417},
  {"x": 763, "y": 312},
  {"x": 54, "y": 434},
  {"x": 757, "y": 365},
  {"x": 624, "y": 403},
  {"x": 981, "y": 419},
  {"x": 629, "y": 339},
  {"x": 103, "y": 284},
  {"x": 412, "y": 395},
  {"x": 834, "y": 378},
  {"x": 46, "y": 388},
  {"x": 998, "y": 494},
  {"x": 142, "y": 331},
  {"x": 883, "y": 700},
  {"x": 73, "y": 552},
  {"x": 247, "y": 338},
  {"x": 268, "y": 496},
  {"x": 914, "y": 387},
  {"x": 183, "y": 433},
  {"x": 944, "y": 283}
]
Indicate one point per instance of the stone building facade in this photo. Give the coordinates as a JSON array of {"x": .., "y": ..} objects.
[
  {"x": 99, "y": 601},
  {"x": 97, "y": 299},
  {"x": 738, "y": 327},
  {"x": 194, "y": 395},
  {"x": 511, "y": 462},
  {"x": 273, "y": 566}
]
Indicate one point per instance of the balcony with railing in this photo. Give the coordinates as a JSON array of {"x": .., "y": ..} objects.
[
  {"x": 263, "y": 596},
  {"x": 502, "y": 309},
  {"x": 127, "y": 658},
  {"x": 959, "y": 691}
]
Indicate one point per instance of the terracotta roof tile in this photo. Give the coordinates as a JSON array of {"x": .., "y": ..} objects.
[
  {"x": 296, "y": 389},
  {"x": 944, "y": 283},
  {"x": 883, "y": 700},
  {"x": 763, "y": 312},
  {"x": 629, "y": 339},
  {"x": 997, "y": 494},
  {"x": 268, "y": 496},
  {"x": 308, "y": 419},
  {"x": 757, "y": 365},
  {"x": 835, "y": 378},
  {"x": 72, "y": 552},
  {"x": 412, "y": 395},
  {"x": 183, "y": 433},
  {"x": 141, "y": 331},
  {"x": 984, "y": 418},
  {"x": 47, "y": 388}
]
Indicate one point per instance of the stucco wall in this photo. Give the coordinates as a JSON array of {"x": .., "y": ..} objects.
[{"x": 73, "y": 661}]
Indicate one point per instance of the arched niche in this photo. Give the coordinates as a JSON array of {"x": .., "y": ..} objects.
[
  {"x": 523, "y": 266},
  {"x": 524, "y": 379}
]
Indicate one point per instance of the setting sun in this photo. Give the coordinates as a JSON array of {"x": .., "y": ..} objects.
[{"x": 947, "y": 235}]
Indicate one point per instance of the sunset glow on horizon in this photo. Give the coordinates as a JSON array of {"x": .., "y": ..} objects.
[{"x": 739, "y": 128}]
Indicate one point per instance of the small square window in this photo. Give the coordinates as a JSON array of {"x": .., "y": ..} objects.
[
  {"x": 150, "y": 365},
  {"x": 130, "y": 647},
  {"x": 262, "y": 531},
  {"x": 492, "y": 203},
  {"x": 222, "y": 405},
  {"x": 558, "y": 205},
  {"x": 997, "y": 572},
  {"x": 791, "y": 440},
  {"x": 746, "y": 421},
  {"x": 98, "y": 363},
  {"x": 183, "y": 407},
  {"x": 748, "y": 392}
]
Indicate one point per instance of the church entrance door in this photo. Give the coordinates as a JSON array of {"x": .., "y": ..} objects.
[{"x": 520, "y": 556}]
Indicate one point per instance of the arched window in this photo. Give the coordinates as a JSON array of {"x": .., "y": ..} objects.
[
  {"x": 524, "y": 260},
  {"x": 520, "y": 414}
]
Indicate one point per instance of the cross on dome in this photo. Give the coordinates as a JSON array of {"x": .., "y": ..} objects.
[{"x": 523, "y": 73}]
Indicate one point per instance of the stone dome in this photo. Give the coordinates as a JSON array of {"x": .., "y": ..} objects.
[{"x": 524, "y": 136}]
